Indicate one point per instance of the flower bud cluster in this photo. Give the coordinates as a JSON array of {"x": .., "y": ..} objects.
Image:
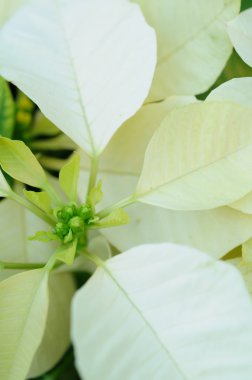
[{"x": 72, "y": 221}]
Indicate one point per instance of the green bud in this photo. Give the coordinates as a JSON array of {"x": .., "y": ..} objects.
[
  {"x": 76, "y": 224},
  {"x": 85, "y": 212},
  {"x": 66, "y": 213},
  {"x": 69, "y": 237},
  {"x": 61, "y": 229}
]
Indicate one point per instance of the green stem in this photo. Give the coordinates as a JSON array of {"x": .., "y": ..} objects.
[
  {"x": 93, "y": 173},
  {"x": 121, "y": 204},
  {"x": 27, "y": 266},
  {"x": 93, "y": 258},
  {"x": 35, "y": 210}
]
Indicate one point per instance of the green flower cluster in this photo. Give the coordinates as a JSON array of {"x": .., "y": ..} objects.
[{"x": 72, "y": 221}]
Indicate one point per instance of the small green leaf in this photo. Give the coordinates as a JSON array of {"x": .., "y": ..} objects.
[
  {"x": 116, "y": 218},
  {"x": 66, "y": 252},
  {"x": 40, "y": 199},
  {"x": 7, "y": 110},
  {"x": 95, "y": 195},
  {"x": 44, "y": 236},
  {"x": 69, "y": 175},
  {"x": 19, "y": 162}
]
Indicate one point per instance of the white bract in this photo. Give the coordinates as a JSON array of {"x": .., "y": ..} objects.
[
  {"x": 203, "y": 153},
  {"x": 144, "y": 315},
  {"x": 91, "y": 67},
  {"x": 193, "y": 44},
  {"x": 240, "y": 32},
  {"x": 157, "y": 311}
]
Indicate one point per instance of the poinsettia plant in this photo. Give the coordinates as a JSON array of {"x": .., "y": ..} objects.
[{"x": 153, "y": 204}]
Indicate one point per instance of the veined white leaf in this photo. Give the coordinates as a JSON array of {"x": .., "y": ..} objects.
[
  {"x": 23, "y": 311},
  {"x": 92, "y": 64},
  {"x": 193, "y": 44},
  {"x": 203, "y": 155},
  {"x": 56, "y": 337},
  {"x": 240, "y": 32},
  {"x": 164, "y": 312}
]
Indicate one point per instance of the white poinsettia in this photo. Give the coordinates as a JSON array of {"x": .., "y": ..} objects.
[{"x": 156, "y": 311}]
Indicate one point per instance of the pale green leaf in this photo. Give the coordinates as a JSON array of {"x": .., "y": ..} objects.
[
  {"x": 117, "y": 217},
  {"x": 56, "y": 337},
  {"x": 193, "y": 44},
  {"x": 40, "y": 199},
  {"x": 66, "y": 252},
  {"x": 23, "y": 311},
  {"x": 163, "y": 312},
  {"x": 7, "y": 109},
  {"x": 19, "y": 162},
  {"x": 199, "y": 158},
  {"x": 69, "y": 176},
  {"x": 44, "y": 236},
  {"x": 84, "y": 94},
  {"x": 240, "y": 32}
]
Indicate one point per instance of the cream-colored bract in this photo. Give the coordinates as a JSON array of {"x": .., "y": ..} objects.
[
  {"x": 56, "y": 337},
  {"x": 199, "y": 158},
  {"x": 91, "y": 68},
  {"x": 23, "y": 312},
  {"x": 238, "y": 90},
  {"x": 193, "y": 44},
  {"x": 240, "y": 32},
  {"x": 163, "y": 312}
]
